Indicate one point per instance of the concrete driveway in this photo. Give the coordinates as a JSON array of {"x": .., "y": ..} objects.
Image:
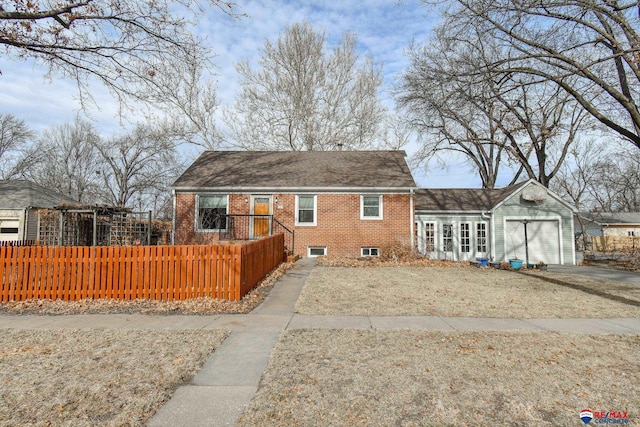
[{"x": 599, "y": 272}]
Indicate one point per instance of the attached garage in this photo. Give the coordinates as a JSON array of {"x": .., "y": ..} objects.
[
  {"x": 462, "y": 224},
  {"x": 542, "y": 240}
]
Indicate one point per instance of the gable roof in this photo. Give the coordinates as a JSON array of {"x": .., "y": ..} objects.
[
  {"x": 610, "y": 218},
  {"x": 463, "y": 199},
  {"x": 20, "y": 194},
  {"x": 297, "y": 169}
]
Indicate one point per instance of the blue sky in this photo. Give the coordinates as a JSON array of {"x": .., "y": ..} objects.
[{"x": 384, "y": 29}]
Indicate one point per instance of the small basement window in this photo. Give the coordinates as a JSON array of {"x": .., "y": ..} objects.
[
  {"x": 314, "y": 251},
  {"x": 369, "y": 251}
]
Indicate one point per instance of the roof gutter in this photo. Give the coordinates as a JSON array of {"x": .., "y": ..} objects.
[
  {"x": 243, "y": 189},
  {"x": 412, "y": 219},
  {"x": 429, "y": 212}
]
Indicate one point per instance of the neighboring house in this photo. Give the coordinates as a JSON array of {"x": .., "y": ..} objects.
[
  {"x": 463, "y": 224},
  {"x": 19, "y": 203},
  {"x": 343, "y": 203},
  {"x": 608, "y": 231},
  {"x": 609, "y": 224}
]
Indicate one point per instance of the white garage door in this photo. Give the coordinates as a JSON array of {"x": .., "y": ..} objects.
[
  {"x": 9, "y": 229},
  {"x": 543, "y": 240}
]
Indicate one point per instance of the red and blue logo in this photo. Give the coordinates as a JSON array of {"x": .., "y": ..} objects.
[
  {"x": 604, "y": 417},
  {"x": 586, "y": 416}
]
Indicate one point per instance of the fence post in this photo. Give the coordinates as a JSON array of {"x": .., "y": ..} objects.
[
  {"x": 149, "y": 230},
  {"x": 95, "y": 227},
  {"x": 61, "y": 239}
]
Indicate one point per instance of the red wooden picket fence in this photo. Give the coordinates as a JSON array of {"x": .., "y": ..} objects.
[{"x": 223, "y": 271}]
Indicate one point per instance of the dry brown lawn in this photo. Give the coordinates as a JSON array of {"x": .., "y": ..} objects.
[
  {"x": 95, "y": 378},
  {"x": 420, "y": 378},
  {"x": 449, "y": 292}
]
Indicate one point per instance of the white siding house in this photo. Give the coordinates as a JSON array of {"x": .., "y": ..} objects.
[{"x": 465, "y": 224}]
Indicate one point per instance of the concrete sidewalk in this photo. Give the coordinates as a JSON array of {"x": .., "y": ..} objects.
[
  {"x": 263, "y": 323},
  {"x": 231, "y": 376}
]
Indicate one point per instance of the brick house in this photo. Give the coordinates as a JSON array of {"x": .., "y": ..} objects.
[{"x": 343, "y": 203}]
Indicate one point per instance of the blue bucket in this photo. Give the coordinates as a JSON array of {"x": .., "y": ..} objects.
[{"x": 516, "y": 264}]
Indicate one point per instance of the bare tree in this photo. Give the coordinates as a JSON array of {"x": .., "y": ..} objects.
[
  {"x": 65, "y": 159},
  {"x": 550, "y": 122},
  {"x": 577, "y": 178},
  {"x": 457, "y": 105},
  {"x": 616, "y": 184},
  {"x": 449, "y": 114},
  {"x": 128, "y": 46},
  {"x": 14, "y": 136},
  {"x": 139, "y": 166},
  {"x": 188, "y": 107},
  {"x": 303, "y": 98},
  {"x": 590, "y": 49}
]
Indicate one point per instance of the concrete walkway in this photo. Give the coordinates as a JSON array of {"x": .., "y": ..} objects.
[
  {"x": 598, "y": 272},
  {"x": 231, "y": 376}
]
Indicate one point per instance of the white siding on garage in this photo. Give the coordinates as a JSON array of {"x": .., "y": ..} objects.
[{"x": 543, "y": 241}]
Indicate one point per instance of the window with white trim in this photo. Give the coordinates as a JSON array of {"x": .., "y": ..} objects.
[
  {"x": 447, "y": 237},
  {"x": 314, "y": 251},
  {"x": 306, "y": 209},
  {"x": 212, "y": 212},
  {"x": 481, "y": 236},
  {"x": 369, "y": 251},
  {"x": 429, "y": 237},
  {"x": 465, "y": 237},
  {"x": 631, "y": 233},
  {"x": 371, "y": 207}
]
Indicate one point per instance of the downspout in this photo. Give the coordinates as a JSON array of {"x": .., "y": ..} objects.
[
  {"x": 413, "y": 216},
  {"x": 25, "y": 224},
  {"x": 173, "y": 219}
]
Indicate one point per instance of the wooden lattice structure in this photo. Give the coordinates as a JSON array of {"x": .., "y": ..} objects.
[{"x": 97, "y": 226}]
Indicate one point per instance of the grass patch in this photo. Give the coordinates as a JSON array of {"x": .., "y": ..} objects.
[
  {"x": 95, "y": 377},
  {"x": 448, "y": 292},
  {"x": 411, "y": 378}
]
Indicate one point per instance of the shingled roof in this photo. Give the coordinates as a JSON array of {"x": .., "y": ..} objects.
[
  {"x": 297, "y": 169},
  {"x": 609, "y": 218},
  {"x": 462, "y": 199},
  {"x": 20, "y": 194}
]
